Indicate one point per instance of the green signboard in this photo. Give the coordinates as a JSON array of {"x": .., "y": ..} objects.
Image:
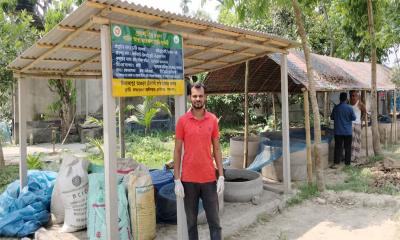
[{"x": 146, "y": 62}]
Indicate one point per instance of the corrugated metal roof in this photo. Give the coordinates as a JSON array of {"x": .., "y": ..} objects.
[
  {"x": 330, "y": 74},
  {"x": 208, "y": 45}
]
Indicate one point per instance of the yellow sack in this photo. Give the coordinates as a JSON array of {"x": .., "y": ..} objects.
[{"x": 141, "y": 204}]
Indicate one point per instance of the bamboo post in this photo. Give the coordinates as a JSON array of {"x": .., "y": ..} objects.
[
  {"x": 395, "y": 116},
  {"x": 385, "y": 130},
  {"x": 326, "y": 108},
  {"x": 366, "y": 124},
  {"x": 246, "y": 115},
  {"x": 273, "y": 110},
  {"x": 308, "y": 135},
  {"x": 388, "y": 99}
]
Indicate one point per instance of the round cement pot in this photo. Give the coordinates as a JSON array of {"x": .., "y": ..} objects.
[
  {"x": 236, "y": 150},
  {"x": 298, "y": 167},
  {"x": 242, "y": 185}
]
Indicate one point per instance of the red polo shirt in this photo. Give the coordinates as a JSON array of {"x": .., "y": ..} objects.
[{"x": 197, "y": 165}]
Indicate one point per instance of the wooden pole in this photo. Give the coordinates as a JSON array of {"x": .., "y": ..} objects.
[
  {"x": 395, "y": 116},
  {"x": 385, "y": 130},
  {"x": 122, "y": 126},
  {"x": 366, "y": 124},
  {"x": 273, "y": 110},
  {"x": 110, "y": 138},
  {"x": 326, "y": 119},
  {"x": 388, "y": 99},
  {"x": 86, "y": 99},
  {"x": 246, "y": 115},
  {"x": 308, "y": 135}
]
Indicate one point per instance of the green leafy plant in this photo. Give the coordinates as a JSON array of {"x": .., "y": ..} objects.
[
  {"x": 34, "y": 161},
  {"x": 306, "y": 192},
  {"x": 153, "y": 150},
  {"x": 96, "y": 143},
  {"x": 7, "y": 175},
  {"x": 357, "y": 180},
  {"x": 97, "y": 157},
  {"x": 145, "y": 112},
  {"x": 65, "y": 104},
  {"x": 93, "y": 120}
]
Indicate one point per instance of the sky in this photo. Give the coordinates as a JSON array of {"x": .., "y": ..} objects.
[{"x": 174, "y": 6}]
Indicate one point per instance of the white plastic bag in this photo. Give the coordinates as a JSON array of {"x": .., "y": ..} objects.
[
  {"x": 73, "y": 188},
  {"x": 56, "y": 205}
]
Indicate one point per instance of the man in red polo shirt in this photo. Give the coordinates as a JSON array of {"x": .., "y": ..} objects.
[{"x": 196, "y": 131}]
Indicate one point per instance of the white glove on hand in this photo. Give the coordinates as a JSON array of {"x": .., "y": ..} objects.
[
  {"x": 220, "y": 184},
  {"x": 179, "y": 191}
]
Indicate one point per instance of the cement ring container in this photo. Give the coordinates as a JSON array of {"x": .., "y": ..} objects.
[{"x": 241, "y": 185}]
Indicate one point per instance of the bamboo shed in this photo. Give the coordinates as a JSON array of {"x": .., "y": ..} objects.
[
  {"x": 330, "y": 75},
  {"x": 79, "y": 47}
]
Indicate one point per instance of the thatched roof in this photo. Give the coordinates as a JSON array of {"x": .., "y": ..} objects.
[{"x": 330, "y": 74}]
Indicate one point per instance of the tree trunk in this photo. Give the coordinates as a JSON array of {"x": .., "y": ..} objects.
[
  {"x": 313, "y": 96},
  {"x": 374, "y": 113},
  {"x": 362, "y": 55},
  {"x": 2, "y": 162},
  {"x": 332, "y": 39}
]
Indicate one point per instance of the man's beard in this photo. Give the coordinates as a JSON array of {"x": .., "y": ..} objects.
[{"x": 198, "y": 106}]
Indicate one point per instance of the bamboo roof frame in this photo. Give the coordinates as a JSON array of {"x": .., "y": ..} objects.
[{"x": 72, "y": 48}]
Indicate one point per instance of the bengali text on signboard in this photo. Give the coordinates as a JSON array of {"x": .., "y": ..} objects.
[{"x": 146, "y": 62}]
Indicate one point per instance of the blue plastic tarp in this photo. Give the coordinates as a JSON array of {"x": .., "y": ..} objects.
[
  {"x": 270, "y": 148},
  {"x": 24, "y": 212}
]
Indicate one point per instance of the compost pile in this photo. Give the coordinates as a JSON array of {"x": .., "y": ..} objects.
[{"x": 385, "y": 176}]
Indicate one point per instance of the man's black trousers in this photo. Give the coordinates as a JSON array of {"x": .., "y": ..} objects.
[
  {"x": 343, "y": 141},
  {"x": 208, "y": 194}
]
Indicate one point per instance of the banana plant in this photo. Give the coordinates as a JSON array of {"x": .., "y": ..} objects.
[{"x": 144, "y": 113}]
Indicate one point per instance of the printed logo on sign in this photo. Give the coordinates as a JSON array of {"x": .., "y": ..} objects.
[
  {"x": 117, "y": 31},
  {"x": 76, "y": 181},
  {"x": 176, "y": 39}
]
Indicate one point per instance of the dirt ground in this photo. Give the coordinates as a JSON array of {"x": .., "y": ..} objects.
[
  {"x": 11, "y": 153},
  {"x": 344, "y": 215}
]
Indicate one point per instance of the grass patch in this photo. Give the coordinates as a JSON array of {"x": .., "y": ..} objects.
[
  {"x": 306, "y": 191},
  {"x": 225, "y": 149},
  {"x": 153, "y": 150},
  {"x": 9, "y": 174},
  {"x": 392, "y": 151},
  {"x": 362, "y": 180},
  {"x": 357, "y": 180},
  {"x": 388, "y": 188},
  {"x": 374, "y": 159}
]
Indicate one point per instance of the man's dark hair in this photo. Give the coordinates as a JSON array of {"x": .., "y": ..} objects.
[
  {"x": 343, "y": 96},
  {"x": 196, "y": 85}
]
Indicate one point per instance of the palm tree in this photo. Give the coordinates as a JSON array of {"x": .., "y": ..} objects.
[
  {"x": 145, "y": 112},
  {"x": 374, "y": 112}
]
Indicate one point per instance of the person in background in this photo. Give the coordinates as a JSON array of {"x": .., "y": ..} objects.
[
  {"x": 196, "y": 131},
  {"x": 342, "y": 115},
  {"x": 359, "y": 111}
]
